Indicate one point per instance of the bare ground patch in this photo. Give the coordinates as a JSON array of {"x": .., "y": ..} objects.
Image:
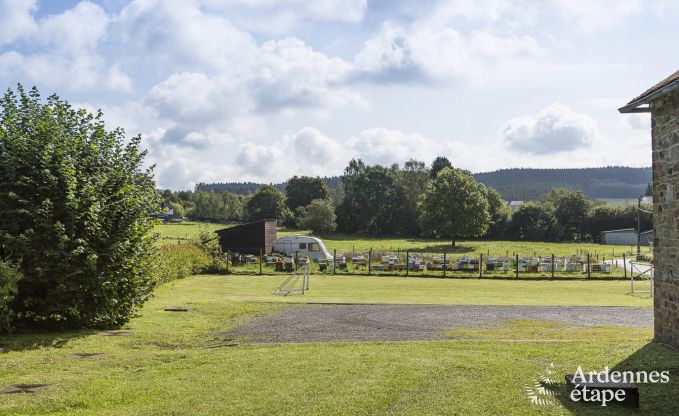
[{"x": 371, "y": 322}]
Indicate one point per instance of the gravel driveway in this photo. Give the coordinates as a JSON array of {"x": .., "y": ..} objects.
[{"x": 318, "y": 323}]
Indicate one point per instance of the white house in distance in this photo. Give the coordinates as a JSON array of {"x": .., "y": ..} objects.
[
  {"x": 515, "y": 205},
  {"x": 626, "y": 237}
]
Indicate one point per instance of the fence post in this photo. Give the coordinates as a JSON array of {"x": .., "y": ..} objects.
[
  {"x": 334, "y": 260},
  {"x": 444, "y": 265},
  {"x": 552, "y": 265},
  {"x": 480, "y": 265},
  {"x": 624, "y": 264},
  {"x": 407, "y": 264},
  {"x": 260, "y": 261},
  {"x": 589, "y": 267},
  {"x": 228, "y": 259},
  {"x": 517, "y": 266},
  {"x": 370, "y": 254},
  {"x": 296, "y": 260}
]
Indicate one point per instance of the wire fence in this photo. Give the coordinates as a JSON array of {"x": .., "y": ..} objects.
[{"x": 442, "y": 265}]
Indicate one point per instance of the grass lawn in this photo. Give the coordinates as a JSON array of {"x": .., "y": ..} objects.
[
  {"x": 343, "y": 243},
  {"x": 176, "y": 364},
  {"x": 360, "y": 289}
]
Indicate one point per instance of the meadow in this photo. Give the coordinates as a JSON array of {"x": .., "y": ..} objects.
[
  {"x": 344, "y": 243},
  {"x": 172, "y": 363}
]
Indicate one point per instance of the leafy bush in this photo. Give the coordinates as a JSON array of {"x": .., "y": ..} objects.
[
  {"x": 201, "y": 255},
  {"x": 9, "y": 277},
  {"x": 181, "y": 260},
  {"x": 76, "y": 209}
]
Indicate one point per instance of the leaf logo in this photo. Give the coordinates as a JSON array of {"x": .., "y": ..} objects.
[{"x": 543, "y": 388}]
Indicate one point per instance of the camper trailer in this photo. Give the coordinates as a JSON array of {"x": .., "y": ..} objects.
[{"x": 301, "y": 245}]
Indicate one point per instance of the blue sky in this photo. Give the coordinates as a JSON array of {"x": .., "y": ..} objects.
[{"x": 261, "y": 89}]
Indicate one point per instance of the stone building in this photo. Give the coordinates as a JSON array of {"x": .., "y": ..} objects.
[{"x": 662, "y": 101}]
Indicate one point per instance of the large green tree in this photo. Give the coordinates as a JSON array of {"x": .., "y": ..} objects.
[
  {"x": 571, "y": 209},
  {"x": 267, "y": 203},
  {"x": 440, "y": 163},
  {"x": 499, "y": 213},
  {"x": 413, "y": 179},
  {"x": 454, "y": 205},
  {"x": 76, "y": 209},
  {"x": 373, "y": 200},
  {"x": 318, "y": 216},
  {"x": 301, "y": 190},
  {"x": 533, "y": 221}
]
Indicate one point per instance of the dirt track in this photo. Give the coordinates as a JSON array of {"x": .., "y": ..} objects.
[{"x": 319, "y": 323}]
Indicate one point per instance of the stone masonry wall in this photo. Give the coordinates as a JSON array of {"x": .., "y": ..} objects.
[{"x": 665, "y": 119}]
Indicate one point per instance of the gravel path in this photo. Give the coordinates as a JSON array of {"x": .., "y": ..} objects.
[{"x": 318, "y": 323}]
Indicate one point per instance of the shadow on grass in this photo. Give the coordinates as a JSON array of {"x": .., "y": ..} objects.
[
  {"x": 655, "y": 399},
  {"x": 24, "y": 341}
]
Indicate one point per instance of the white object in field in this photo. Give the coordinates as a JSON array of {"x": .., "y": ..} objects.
[{"x": 302, "y": 245}]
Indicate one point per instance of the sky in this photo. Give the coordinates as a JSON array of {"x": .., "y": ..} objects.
[{"x": 261, "y": 90}]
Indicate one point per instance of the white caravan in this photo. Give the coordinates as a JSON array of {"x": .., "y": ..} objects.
[{"x": 311, "y": 247}]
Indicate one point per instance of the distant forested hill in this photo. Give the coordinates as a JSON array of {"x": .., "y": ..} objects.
[
  {"x": 245, "y": 188},
  {"x": 519, "y": 184},
  {"x": 607, "y": 182}
]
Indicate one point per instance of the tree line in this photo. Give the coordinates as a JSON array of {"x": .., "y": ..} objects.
[{"x": 413, "y": 199}]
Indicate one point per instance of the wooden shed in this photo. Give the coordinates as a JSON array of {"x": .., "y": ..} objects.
[{"x": 249, "y": 238}]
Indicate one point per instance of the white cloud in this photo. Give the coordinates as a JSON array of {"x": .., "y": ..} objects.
[
  {"x": 554, "y": 129},
  {"x": 438, "y": 52},
  {"x": 16, "y": 19},
  {"x": 283, "y": 16},
  {"x": 74, "y": 30}
]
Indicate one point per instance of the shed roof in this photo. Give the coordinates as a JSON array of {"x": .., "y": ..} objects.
[
  {"x": 621, "y": 230},
  {"x": 664, "y": 86}
]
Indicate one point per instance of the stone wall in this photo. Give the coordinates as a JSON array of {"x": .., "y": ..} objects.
[{"x": 665, "y": 116}]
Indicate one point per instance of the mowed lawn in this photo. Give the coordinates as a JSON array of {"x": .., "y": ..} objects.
[
  {"x": 345, "y": 243},
  {"x": 415, "y": 290},
  {"x": 177, "y": 363}
]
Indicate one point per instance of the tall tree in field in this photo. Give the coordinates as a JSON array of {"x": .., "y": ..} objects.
[
  {"x": 373, "y": 200},
  {"x": 267, "y": 203},
  {"x": 301, "y": 190},
  {"x": 533, "y": 221},
  {"x": 571, "y": 210},
  {"x": 438, "y": 165},
  {"x": 413, "y": 179},
  {"x": 454, "y": 205},
  {"x": 318, "y": 216},
  {"x": 76, "y": 211},
  {"x": 499, "y": 212}
]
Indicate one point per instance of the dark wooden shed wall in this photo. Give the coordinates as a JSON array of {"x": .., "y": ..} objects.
[{"x": 249, "y": 238}]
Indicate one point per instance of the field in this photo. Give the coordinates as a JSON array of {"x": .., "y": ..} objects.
[
  {"x": 173, "y": 233},
  {"x": 175, "y": 363}
]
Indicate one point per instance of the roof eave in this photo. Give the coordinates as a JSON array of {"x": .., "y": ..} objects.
[{"x": 634, "y": 106}]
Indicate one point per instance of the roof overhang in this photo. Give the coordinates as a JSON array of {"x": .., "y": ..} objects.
[{"x": 642, "y": 104}]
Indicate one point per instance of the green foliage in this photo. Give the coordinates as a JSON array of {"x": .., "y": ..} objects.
[
  {"x": 373, "y": 201},
  {"x": 499, "y": 212},
  {"x": 318, "y": 216},
  {"x": 440, "y": 163},
  {"x": 207, "y": 205},
  {"x": 267, "y": 203},
  {"x": 201, "y": 254},
  {"x": 177, "y": 261},
  {"x": 9, "y": 279},
  {"x": 454, "y": 205},
  {"x": 76, "y": 211},
  {"x": 301, "y": 190},
  {"x": 533, "y": 221},
  {"x": 570, "y": 212},
  {"x": 413, "y": 179}
]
